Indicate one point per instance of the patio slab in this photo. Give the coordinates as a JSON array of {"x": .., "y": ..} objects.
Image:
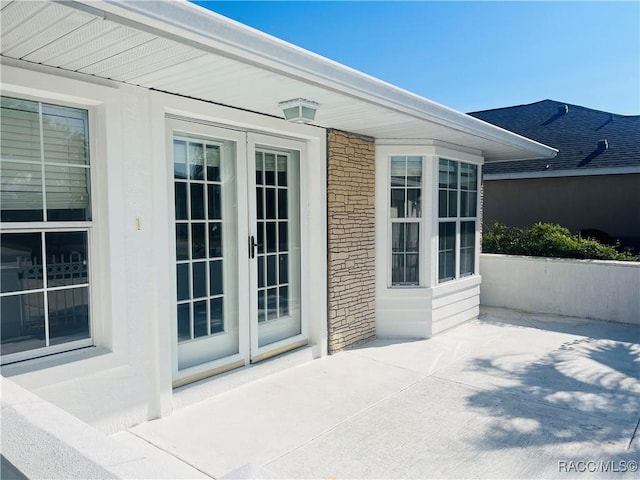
[{"x": 510, "y": 395}]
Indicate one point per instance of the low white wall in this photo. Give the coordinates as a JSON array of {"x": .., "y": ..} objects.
[
  {"x": 605, "y": 290},
  {"x": 43, "y": 441}
]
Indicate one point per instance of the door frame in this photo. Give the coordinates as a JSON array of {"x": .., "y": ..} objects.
[
  {"x": 202, "y": 129},
  {"x": 258, "y": 353},
  {"x": 246, "y": 141}
]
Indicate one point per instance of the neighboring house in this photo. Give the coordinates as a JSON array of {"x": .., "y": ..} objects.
[
  {"x": 591, "y": 187},
  {"x": 187, "y": 229}
]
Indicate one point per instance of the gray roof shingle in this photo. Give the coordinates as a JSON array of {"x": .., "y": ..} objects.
[{"x": 575, "y": 134}]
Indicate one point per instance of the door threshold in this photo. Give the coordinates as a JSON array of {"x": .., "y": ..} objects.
[
  {"x": 223, "y": 382},
  {"x": 278, "y": 351}
]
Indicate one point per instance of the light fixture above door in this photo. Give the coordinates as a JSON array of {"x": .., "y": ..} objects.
[{"x": 299, "y": 110}]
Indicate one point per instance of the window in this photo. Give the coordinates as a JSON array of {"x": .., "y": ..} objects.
[
  {"x": 457, "y": 217},
  {"x": 45, "y": 215},
  {"x": 405, "y": 218}
]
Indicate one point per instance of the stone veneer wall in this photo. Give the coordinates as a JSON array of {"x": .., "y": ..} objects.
[{"x": 351, "y": 238}]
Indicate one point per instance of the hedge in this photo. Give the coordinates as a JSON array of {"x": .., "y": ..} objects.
[{"x": 547, "y": 240}]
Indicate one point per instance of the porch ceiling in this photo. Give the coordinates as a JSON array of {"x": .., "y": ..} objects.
[{"x": 183, "y": 49}]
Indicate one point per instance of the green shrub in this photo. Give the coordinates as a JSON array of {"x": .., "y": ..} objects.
[{"x": 547, "y": 240}]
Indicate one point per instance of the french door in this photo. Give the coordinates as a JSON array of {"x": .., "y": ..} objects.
[{"x": 238, "y": 247}]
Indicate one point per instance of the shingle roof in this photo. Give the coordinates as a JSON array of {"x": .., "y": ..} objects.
[{"x": 575, "y": 134}]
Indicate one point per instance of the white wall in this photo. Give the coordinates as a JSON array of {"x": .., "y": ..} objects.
[
  {"x": 604, "y": 290},
  {"x": 127, "y": 377}
]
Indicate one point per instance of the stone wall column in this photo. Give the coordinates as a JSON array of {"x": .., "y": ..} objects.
[{"x": 351, "y": 239}]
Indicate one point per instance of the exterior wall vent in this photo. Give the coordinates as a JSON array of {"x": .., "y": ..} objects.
[
  {"x": 603, "y": 145},
  {"x": 563, "y": 109}
]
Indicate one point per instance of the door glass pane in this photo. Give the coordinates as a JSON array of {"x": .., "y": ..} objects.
[
  {"x": 199, "y": 279},
  {"x": 284, "y": 269},
  {"x": 272, "y": 242},
  {"x": 214, "y": 202},
  {"x": 179, "y": 159},
  {"x": 282, "y": 170},
  {"x": 181, "y": 201},
  {"x": 270, "y": 196},
  {"x": 272, "y": 303},
  {"x": 262, "y": 313},
  {"x": 269, "y": 168},
  {"x": 198, "y": 243},
  {"x": 215, "y": 240},
  {"x": 272, "y": 269},
  {"x": 196, "y": 161},
  {"x": 278, "y": 262},
  {"x": 182, "y": 274},
  {"x": 216, "y": 279},
  {"x": 184, "y": 322},
  {"x": 200, "y": 319},
  {"x": 197, "y": 201},
  {"x": 284, "y": 301},
  {"x": 182, "y": 241},
  {"x": 217, "y": 315},
  {"x": 282, "y": 203},
  {"x": 213, "y": 163}
]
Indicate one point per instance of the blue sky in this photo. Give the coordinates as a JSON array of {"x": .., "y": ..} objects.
[{"x": 471, "y": 55}]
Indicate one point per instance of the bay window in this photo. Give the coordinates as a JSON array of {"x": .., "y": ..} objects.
[
  {"x": 457, "y": 219},
  {"x": 45, "y": 222}
]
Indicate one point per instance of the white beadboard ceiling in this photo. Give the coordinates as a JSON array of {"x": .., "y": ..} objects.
[{"x": 181, "y": 48}]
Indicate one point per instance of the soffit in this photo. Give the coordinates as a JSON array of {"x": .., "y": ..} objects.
[{"x": 92, "y": 42}]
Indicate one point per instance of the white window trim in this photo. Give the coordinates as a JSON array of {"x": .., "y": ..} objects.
[
  {"x": 89, "y": 226},
  {"x": 457, "y": 220}
]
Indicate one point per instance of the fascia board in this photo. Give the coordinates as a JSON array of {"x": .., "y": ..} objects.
[{"x": 191, "y": 24}]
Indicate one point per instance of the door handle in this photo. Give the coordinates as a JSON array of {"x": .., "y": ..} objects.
[{"x": 252, "y": 247}]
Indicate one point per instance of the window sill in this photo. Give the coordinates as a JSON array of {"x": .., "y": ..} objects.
[{"x": 405, "y": 287}]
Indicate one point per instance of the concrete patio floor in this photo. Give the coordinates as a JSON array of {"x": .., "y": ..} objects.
[{"x": 510, "y": 395}]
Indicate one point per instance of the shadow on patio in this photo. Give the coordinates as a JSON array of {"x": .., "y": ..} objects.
[{"x": 589, "y": 385}]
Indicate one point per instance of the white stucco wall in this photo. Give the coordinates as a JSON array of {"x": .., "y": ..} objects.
[
  {"x": 126, "y": 378},
  {"x": 604, "y": 290}
]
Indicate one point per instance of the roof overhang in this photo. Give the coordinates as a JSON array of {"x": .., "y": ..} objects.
[{"x": 181, "y": 48}]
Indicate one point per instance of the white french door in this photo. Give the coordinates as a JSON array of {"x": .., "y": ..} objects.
[
  {"x": 237, "y": 247},
  {"x": 275, "y": 244}
]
